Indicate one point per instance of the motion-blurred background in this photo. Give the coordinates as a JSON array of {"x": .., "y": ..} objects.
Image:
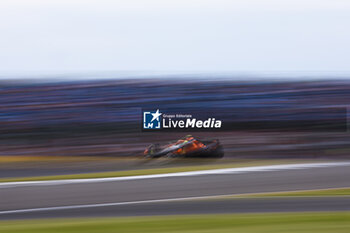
[
  {"x": 75, "y": 76},
  {"x": 261, "y": 119}
]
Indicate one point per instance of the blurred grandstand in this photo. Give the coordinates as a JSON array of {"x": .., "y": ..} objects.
[{"x": 265, "y": 119}]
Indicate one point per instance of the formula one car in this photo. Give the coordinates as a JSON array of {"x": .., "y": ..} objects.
[{"x": 186, "y": 147}]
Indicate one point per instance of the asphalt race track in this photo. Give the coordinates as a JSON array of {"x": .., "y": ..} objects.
[{"x": 177, "y": 194}]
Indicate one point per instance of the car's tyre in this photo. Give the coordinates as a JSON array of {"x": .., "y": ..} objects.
[
  {"x": 152, "y": 150},
  {"x": 219, "y": 152}
]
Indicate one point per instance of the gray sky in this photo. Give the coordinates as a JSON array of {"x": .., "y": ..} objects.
[{"x": 180, "y": 36}]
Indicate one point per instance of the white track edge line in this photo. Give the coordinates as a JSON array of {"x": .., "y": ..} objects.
[
  {"x": 176, "y": 174},
  {"x": 147, "y": 201}
]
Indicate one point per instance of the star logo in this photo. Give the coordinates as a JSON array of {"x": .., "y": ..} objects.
[{"x": 156, "y": 115}]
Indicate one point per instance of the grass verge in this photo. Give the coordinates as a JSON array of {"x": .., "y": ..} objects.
[
  {"x": 332, "y": 222},
  {"x": 305, "y": 193},
  {"x": 152, "y": 171}
]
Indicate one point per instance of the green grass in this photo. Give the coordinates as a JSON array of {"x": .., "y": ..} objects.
[
  {"x": 303, "y": 193},
  {"x": 152, "y": 171},
  {"x": 320, "y": 192},
  {"x": 332, "y": 222}
]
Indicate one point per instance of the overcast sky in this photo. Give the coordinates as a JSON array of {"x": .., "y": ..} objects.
[{"x": 184, "y": 36}]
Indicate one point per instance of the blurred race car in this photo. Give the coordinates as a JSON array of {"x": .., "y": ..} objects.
[{"x": 186, "y": 147}]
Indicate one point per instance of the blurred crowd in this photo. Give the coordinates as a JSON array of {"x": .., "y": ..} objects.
[{"x": 85, "y": 116}]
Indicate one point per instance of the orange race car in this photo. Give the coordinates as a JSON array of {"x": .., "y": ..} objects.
[{"x": 186, "y": 147}]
